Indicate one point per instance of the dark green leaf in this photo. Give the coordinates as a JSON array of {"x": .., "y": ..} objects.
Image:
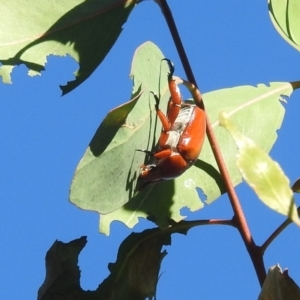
[
  {"x": 62, "y": 272},
  {"x": 133, "y": 276}
]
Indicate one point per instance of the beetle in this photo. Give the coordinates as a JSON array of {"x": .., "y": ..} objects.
[{"x": 181, "y": 138}]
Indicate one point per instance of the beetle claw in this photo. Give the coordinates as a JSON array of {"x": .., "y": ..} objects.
[
  {"x": 171, "y": 68},
  {"x": 157, "y": 100},
  {"x": 145, "y": 151}
]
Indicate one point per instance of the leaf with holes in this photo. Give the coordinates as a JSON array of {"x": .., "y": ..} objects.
[
  {"x": 105, "y": 179},
  {"x": 258, "y": 111},
  {"x": 106, "y": 176},
  {"x": 85, "y": 30}
]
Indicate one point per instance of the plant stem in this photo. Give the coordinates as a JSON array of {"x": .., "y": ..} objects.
[
  {"x": 272, "y": 237},
  {"x": 239, "y": 217},
  {"x": 276, "y": 232},
  {"x": 189, "y": 224}
]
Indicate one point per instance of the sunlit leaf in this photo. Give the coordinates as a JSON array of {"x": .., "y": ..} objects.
[
  {"x": 263, "y": 175},
  {"x": 85, "y": 30},
  {"x": 279, "y": 286},
  {"x": 285, "y": 16}
]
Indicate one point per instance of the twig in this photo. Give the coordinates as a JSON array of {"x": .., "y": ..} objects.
[
  {"x": 239, "y": 217},
  {"x": 272, "y": 237},
  {"x": 276, "y": 232},
  {"x": 189, "y": 224}
]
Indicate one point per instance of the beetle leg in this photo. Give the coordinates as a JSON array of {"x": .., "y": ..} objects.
[
  {"x": 193, "y": 90},
  {"x": 171, "y": 68},
  {"x": 163, "y": 154},
  {"x": 145, "y": 151},
  {"x": 174, "y": 104},
  {"x": 147, "y": 167},
  {"x": 164, "y": 120},
  {"x": 175, "y": 101},
  {"x": 158, "y": 155}
]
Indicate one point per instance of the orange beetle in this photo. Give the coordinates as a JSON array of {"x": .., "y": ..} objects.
[{"x": 182, "y": 136}]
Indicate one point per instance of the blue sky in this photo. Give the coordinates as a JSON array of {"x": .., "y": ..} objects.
[{"x": 43, "y": 136}]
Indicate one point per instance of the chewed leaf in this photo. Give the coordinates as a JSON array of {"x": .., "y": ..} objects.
[
  {"x": 263, "y": 174},
  {"x": 106, "y": 176},
  {"x": 86, "y": 30},
  {"x": 257, "y": 109}
]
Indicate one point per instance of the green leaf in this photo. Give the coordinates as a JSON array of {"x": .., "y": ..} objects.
[
  {"x": 85, "y": 30},
  {"x": 259, "y": 114},
  {"x": 105, "y": 178},
  {"x": 263, "y": 175},
  {"x": 285, "y": 16},
  {"x": 279, "y": 286}
]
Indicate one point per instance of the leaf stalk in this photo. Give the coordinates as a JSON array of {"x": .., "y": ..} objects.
[{"x": 276, "y": 233}]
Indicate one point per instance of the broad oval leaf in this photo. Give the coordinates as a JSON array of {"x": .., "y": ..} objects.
[
  {"x": 105, "y": 179},
  {"x": 285, "y": 16},
  {"x": 86, "y": 30},
  {"x": 259, "y": 114},
  {"x": 263, "y": 174}
]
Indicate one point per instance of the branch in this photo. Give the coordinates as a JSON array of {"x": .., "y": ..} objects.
[
  {"x": 276, "y": 232},
  {"x": 239, "y": 217}
]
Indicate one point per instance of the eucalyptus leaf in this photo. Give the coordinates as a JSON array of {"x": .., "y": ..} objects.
[
  {"x": 285, "y": 16},
  {"x": 85, "y": 30},
  {"x": 258, "y": 112},
  {"x": 105, "y": 179}
]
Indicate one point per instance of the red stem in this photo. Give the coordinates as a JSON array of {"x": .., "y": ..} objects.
[{"x": 239, "y": 217}]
